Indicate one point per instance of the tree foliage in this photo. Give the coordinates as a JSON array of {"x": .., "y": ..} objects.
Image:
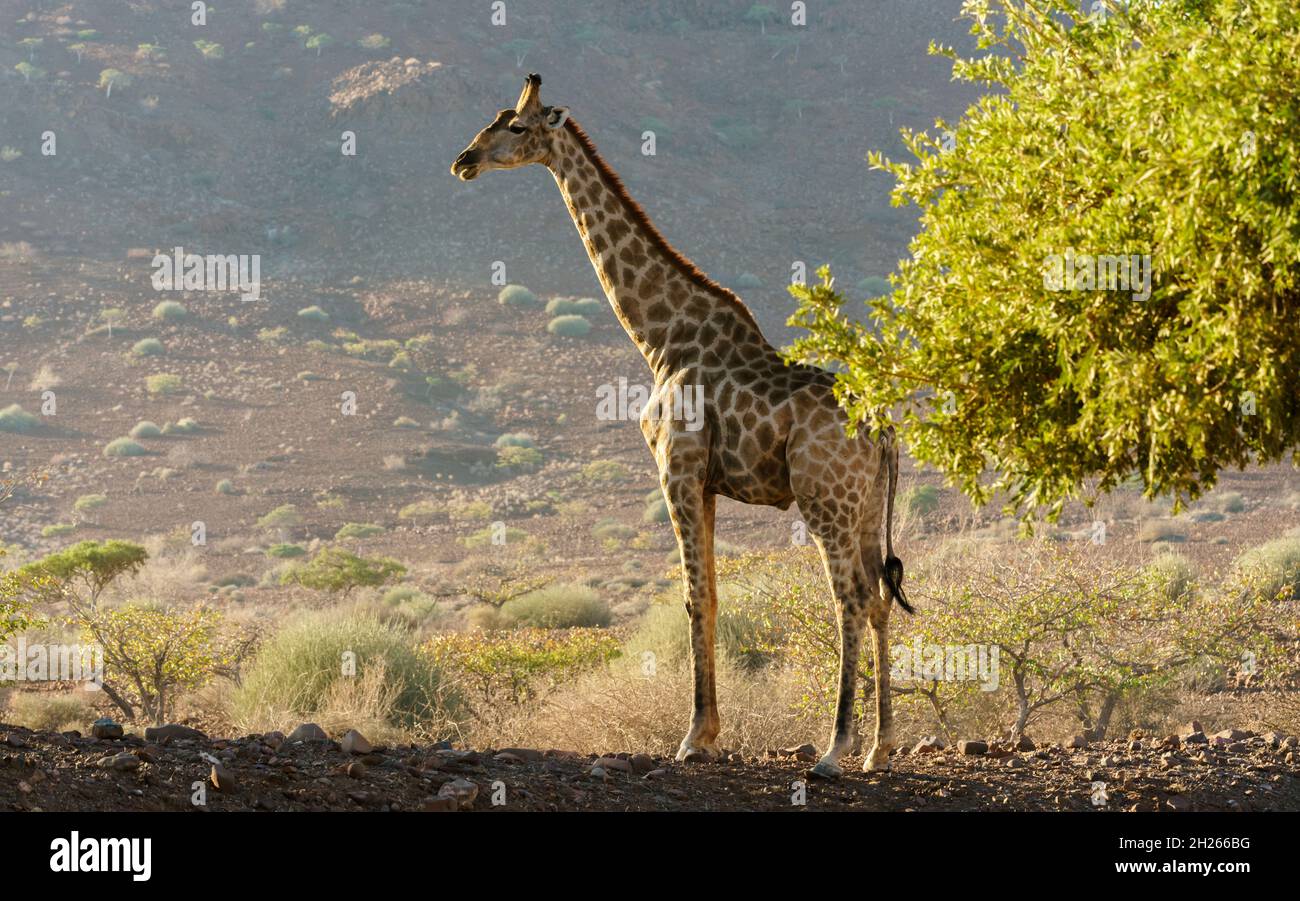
[
  {"x": 336, "y": 570},
  {"x": 1166, "y": 131}
]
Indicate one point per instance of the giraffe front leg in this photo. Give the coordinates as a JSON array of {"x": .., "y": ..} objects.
[
  {"x": 847, "y": 585},
  {"x": 692, "y": 514}
]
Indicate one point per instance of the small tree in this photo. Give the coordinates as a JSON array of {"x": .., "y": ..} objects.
[
  {"x": 28, "y": 72},
  {"x": 110, "y": 78},
  {"x": 762, "y": 14},
  {"x": 79, "y": 575},
  {"x": 318, "y": 42},
  {"x": 281, "y": 520},
  {"x": 152, "y": 653},
  {"x": 338, "y": 571}
]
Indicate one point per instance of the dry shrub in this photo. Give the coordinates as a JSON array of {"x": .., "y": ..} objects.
[
  {"x": 50, "y": 711},
  {"x": 616, "y": 708}
]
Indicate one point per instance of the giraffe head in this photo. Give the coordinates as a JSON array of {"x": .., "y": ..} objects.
[{"x": 516, "y": 137}]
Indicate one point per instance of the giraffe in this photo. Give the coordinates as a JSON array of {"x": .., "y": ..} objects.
[{"x": 772, "y": 432}]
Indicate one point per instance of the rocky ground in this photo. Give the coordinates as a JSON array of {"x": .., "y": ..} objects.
[{"x": 176, "y": 768}]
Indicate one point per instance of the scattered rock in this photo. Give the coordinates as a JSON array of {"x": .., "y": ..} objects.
[
  {"x": 642, "y": 764},
  {"x": 462, "y": 791},
  {"x": 307, "y": 732},
  {"x": 1026, "y": 744},
  {"x": 13, "y": 741},
  {"x": 274, "y": 740},
  {"x": 356, "y": 770},
  {"x": 172, "y": 732},
  {"x": 532, "y": 755},
  {"x": 1078, "y": 742},
  {"x": 806, "y": 753},
  {"x": 106, "y": 730},
  {"x": 1195, "y": 738},
  {"x": 598, "y": 772},
  {"x": 355, "y": 743},
  {"x": 1014, "y": 762},
  {"x": 972, "y": 748},
  {"x": 615, "y": 763},
  {"x": 221, "y": 779},
  {"x": 507, "y": 757},
  {"x": 1189, "y": 728},
  {"x": 931, "y": 744},
  {"x": 123, "y": 763},
  {"x": 440, "y": 804},
  {"x": 1232, "y": 735}
]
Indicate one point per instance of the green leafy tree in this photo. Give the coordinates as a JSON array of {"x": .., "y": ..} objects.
[
  {"x": 338, "y": 571},
  {"x": 111, "y": 78},
  {"x": 152, "y": 653},
  {"x": 762, "y": 14},
  {"x": 79, "y": 575},
  {"x": 1163, "y": 137},
  {"x": 319, "y": 42}
]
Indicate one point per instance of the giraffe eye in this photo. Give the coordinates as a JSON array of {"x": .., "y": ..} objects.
[{"x": 517, "y": 129}]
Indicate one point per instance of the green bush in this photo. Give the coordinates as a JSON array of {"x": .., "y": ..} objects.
[
  {"x": 298, "y": 668},
  {"x": 286, "y": 551},
  {"x": 518, "y": 459},
  {"x": 569, "y": 326},
  {"x": 145, "y": 429},
  {"x": 14, "y": 418},
  {"x": 164, "y": 383},
  {"x": 181, "y": 427},
  {"x": 515, "y": 439},
  {"x": 359, "y": 530},
  {"x": 58, "y": 530},
  {"x": 608, "y": 529},
  {"x": 419, "y": 510},
  {"x": 922, "y": 500},
  {"x": 89, "y": 503},
  {"x": 665, "y": 631},
  {"x": 147, "y": 347},
  {"x": 123, "y": 447},
  {"x": 604, "y": 471},
  {"x": 557, "y": 607},
  {"x": 517, "y": 296},
  {"x": 1161, "y": 530},
  {"x": 170, "y": 311},
  {"x": 1274, "y": 566},
  {"x": 1174, "y": 574},
  {"x": 314, "y": 314},
  {"x": 656, "y": 511},
  {"x": 336, "y": 570},
  {"x": 225, "y": 486}
]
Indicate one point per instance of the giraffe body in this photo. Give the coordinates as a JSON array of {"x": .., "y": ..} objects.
[{"x": 772, "y": 433}]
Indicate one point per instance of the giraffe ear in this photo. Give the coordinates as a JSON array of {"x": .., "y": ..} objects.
[{"x": 556, "y": 116}]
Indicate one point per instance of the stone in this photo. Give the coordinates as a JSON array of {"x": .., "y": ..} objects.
[
  {"x": 655, "y": 774},
  {"x": 507, "y": 757},
  {"x": 1135, "y": 745},
  {"x": 354, "y": 742},
  {"x": 274, "y": 740},
  {"x": 1014, "y": 762},
  {"x": 123, "y": 763},
  {"x": 308, "y": 732},
  {"x": 642, "y": 764},
  {"x": 356, "y": 770},
  {"x": 972, "y": 748},
  {"x": 1195, "y": 738},
  {"x": 801, "y": 752},
  {"x": 106, "y": 730},
  {"x": 529, "y": 754},
  {"x": 440, "y": 805},
  {"x": 1232, "y": 735},
  {"x": 461, "y": 790},
  {"x": 1078, "y": 742},
  {"x": 221, "y": 779},
  {"x": 615, "y": 763},
  {"x": 13, "y": 741},
  {"x": 1026, "y": 744},
  {"x": 929, "y": 745},
  {"x": 598, "y": 772},
  {"x": 172, "y": 732},
  {"x": 1189, "y": 728}
]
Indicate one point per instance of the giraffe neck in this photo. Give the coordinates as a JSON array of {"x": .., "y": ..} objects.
[{"x": 667, "y": 306}]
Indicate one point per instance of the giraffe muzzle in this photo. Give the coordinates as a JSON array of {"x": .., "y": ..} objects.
[{"x": 466, "y": 167}]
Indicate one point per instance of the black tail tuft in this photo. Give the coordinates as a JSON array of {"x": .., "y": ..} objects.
[{"x": 894, "y": 579}]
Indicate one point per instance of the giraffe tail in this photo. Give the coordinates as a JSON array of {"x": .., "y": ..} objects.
[{"x": 893, "y": 571}]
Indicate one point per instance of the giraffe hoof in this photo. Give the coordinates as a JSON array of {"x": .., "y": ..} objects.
[
  {"x": 702, "y": 754},
  {"x": 876, "y": 762},
  {"x": 826, "y": 769}
]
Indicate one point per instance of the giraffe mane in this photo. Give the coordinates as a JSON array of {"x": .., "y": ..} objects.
[{"x": 639, "y": 215}]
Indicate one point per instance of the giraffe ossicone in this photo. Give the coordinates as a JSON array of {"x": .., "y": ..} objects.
[{"x": 770, "y": 433}]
